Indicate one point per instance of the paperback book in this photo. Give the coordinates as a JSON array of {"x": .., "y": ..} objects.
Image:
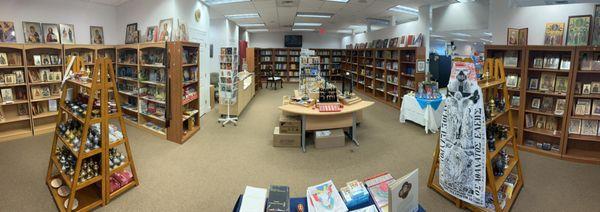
[{"x": 325, "y": 197}]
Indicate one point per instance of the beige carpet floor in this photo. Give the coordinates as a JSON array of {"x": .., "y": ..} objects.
[{"x": 209, "y": 171}]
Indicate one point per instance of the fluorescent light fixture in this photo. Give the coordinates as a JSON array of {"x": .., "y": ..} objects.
[
  {"x": 488, "y": 33},
  {"x": 465, "y": 1},
  {"x": 303, "y": 30},
  {"x": 441, "y": 40},
  {"x": 339, "y": 1},
  {"x": 216, "y": 2},
  {"x": 460, "y": 34},
  {"x": 403, "y": 9},
  {"x": 257, "y": 30},
  {"x": 313, "y": 15},
  {"x": 378, "y": 21},
  {"x": 252, "y": 25},
  {"x": 243, "y": 16},
  {"x": 307, "y": 24},
  {"x": 486, "y": 40},
  {"x": 436, "y": 36},
  {"x": 346, "y": 31},
  {"x": 458, "y": 39}
]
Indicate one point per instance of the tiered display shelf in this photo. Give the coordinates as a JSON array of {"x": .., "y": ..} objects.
[
  {"x": 184, "y": 82},
  {"x": 496, "y": 184},
  {"x": 81, "y": 149},
  {"x": 385, "y": 74}
]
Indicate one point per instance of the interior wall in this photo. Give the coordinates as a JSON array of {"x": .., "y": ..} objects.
[
  {"x": 503, "y": 15},
  {"x": 81, "y": 14},
  {"x": 309, "y": 39},
  {"x": 461, "y": 16}
]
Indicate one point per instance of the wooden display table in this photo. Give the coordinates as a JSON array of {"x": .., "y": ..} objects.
[
  {"x": 245, "y": 91},
  {"x": 312, "y": 119}
]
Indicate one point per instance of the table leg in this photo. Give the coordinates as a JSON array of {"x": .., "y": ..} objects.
[
  {"x": 354, "y": 129},
  {"x": 303, "y": 132}
]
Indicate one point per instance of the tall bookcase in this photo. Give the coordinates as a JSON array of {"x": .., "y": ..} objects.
[
  {"x": 544, "y": 128},
  {"x": 385, "y": 74},
  {"x": 284, "y": 61},
  {"x": 331, "y": 60},
  {"x": 15, "y": 119}
]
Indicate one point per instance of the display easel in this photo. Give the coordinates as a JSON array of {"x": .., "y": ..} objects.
[
  {"x": 93, "y": 192},
  {"x": 494, "y": 70}
]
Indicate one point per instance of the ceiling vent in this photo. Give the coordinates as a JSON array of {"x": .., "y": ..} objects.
[{"x": 288, "y": 3}]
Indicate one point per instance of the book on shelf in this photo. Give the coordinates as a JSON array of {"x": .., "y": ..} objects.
[
  {"x": 325, "y": 197},
  {"x": 589, "y": 127}
]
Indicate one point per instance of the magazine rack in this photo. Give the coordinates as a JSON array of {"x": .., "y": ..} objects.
[
  {"x": 95, "y": 191},
  {"x": 495, "y": 83}
]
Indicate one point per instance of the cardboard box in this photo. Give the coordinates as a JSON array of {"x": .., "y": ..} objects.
[
  {"x": 329, "y": 138},
  {"x": 285, "y": 140},
  {"x": 289, "y": 124}
]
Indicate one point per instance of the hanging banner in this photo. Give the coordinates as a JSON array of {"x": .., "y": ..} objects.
[{"x": 462, "y": 137}]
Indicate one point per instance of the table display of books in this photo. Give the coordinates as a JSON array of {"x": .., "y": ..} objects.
[{"x": 378, "y": 193}]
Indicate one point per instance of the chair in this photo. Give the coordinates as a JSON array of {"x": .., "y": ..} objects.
[{"x": 273, "y": 78}]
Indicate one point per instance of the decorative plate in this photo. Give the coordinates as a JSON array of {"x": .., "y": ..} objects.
[
  {"x": 75, "y": 204},
  {"x": 64, "y": 191},
  {"x": 56, "y": 182}
]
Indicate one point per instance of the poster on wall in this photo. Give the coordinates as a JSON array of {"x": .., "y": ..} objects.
[
  {"x": 553, "y": 35},
  {"x": 462, "y": 137},
  {"x": 578, "y": 30}
]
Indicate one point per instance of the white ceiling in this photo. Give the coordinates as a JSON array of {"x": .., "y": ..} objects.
[
  {"x": 107, "y": 2},
  {"x": 527, "y": 3},
  {"x": 478, "y": 36},
  {"x": 280, "y": 15}
]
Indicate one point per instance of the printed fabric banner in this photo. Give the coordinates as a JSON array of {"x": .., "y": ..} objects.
[{"x": 462, "y": 137}]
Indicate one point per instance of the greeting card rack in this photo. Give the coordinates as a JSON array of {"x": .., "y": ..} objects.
[
  {"x": 504, "y": 188},
  {"x": 82, "y": 171},
  {"x": 228, "y": 80},
  {"x": 385, "y": 74}
]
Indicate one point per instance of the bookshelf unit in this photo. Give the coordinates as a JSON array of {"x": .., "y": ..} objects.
[
  {"x": 284, "y": 61},
  {"x": 15, "y": 119},
  {"x": 385, "y": 74},
  {"x": 152, "y": 76},
  {"x": 127, "y": 81},
  {"x": 330, "y": 65},
  {"x": 41, "y": 62}
]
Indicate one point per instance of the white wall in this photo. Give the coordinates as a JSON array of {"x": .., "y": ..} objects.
[
  {"x": 462, "y": 16},
  {"x": 503, "y": 16},
  {"x": 309, "y": 39},
  {"x": 79, "y": 13}
]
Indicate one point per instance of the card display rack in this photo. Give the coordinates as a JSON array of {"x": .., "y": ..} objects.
[
  {"x": 502, "y": 185},
  {"x": 82, "y": 169},
  {"x": 185, "y": 82},
  {"x": 228, "y": 79},
  {"x": 385, "y": 74}
]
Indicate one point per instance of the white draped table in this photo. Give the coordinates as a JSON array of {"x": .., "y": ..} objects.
[{"x": 428, "y": 117}]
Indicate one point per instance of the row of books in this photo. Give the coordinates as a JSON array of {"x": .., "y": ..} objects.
[
  {"x": 381, "y": 192},
  {"x": 402, "y": 41}
]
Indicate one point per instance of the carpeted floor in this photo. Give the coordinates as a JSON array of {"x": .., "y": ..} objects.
[{"x": 209, "y": 172}]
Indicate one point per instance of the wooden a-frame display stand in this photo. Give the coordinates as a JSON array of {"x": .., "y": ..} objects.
[
  {"x": 93, "y": 192},
  {"x": 490, "y": 87}
]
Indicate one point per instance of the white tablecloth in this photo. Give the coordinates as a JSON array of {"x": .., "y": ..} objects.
[{"x": 428, "y": 117}]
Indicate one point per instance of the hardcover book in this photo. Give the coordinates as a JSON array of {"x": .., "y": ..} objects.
[
  {"x": 404, "y": 193},
  {"x": 279, "y": 198},
  {"x": 378, "y": 187},
  {"x": 254, "y": 199},
  {"x": 325, "y": 197}
]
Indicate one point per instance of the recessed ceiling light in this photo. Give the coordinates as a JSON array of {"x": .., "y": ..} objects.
[
  {"x": 252, "y": 25},
  {"x": 216, "y": 2},
  {"x": 242, "y": 16},
  {"x": 465, "y": 1},
  {"x": 306, "y": 30},
  {"x": 436, "y": 36},
  {"x": 257, "y": 30},
  {"x": 313, "y": 15},
  {"x": 308, "y": 24},
  {"x": 460, "y": 34},
  {"x": 339, "y": 1},
  {"x": 403, "y": 9}
]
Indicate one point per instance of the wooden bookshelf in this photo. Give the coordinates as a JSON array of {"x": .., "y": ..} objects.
[
  {"x": 284, "y": 61},
  {"x": 331, "y": 60},
  {"x": 16, "y": 119},
  {"x": 385, "y": 74}
]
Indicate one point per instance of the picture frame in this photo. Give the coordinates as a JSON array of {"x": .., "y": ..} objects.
[
  {"x": 19, "y": 77},
  {"x": 583, "y": 107},
  {"x": 534, "y": 83},
  {"x": 596, "y": 107},
  {"x": 515, "y": 101},
  {"x": 551, "y": 61},
  {"x": 523, "y": 36},
  {"x": 7, "y": 32},
  {"x": 553, "y": 34},
  {"x": 32, "y": 32},
  {"x": 575, "y": 126},
  {"x": 151, "y": 34},
  {"x": 535, "y": 103},
  {"x": 420, "y": 66},
  {"x": 165, "y": 28},
  {"x": 565, "y": 62},
  {"x": 7, "y": 95},
  {"x": 511, "y": 59},
  {"x": 50, "y": 33},
  {"x": 1, "y": 79},
  {"x": 578, "y": 87},
  {"x": 547, "y": 104},
  {"x": 96, "y": 35},
  {"x": 512, "y": 36},
  {"x": 550, "y": 123},
  {"x": 529, "y": 120},
  {"x": 587, "y": 89},
  {"x": 595, "y": 88},
  {"x": 3, "y": 59},
  {"x": 512, "y": 80},
  {"x": 560, "y": 106},
  {"x": 585, "y": 63},
  {"x": 595, "y": 62},
  {"x": 540, "y": 121},
  {"x": 10, "y": 79},
  {"x": 547, "y": 81},
  {"x": 589, "y": 127},
  {"x": 22, "y": 110},
  {"x": 596, "y": 27},
  {"x": 538, "y": 62},
  {"x": 562, "y": 84},
  {"x": 67, "y": 33},
  {"x": 130, "y": 32},
  {"x": 578, "y": 30}
]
